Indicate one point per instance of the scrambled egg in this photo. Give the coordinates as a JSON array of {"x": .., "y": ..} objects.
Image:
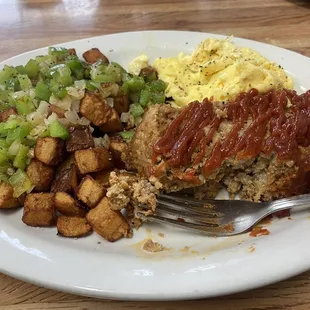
[
  {"x": 137, "y": 64},
  {"x": 218, "y": 69}
]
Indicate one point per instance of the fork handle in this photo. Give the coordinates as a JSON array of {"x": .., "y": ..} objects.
[{"x": 290, "y": 202}]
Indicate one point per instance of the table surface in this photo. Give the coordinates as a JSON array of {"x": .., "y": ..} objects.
[{"x": 27, "y": 25}]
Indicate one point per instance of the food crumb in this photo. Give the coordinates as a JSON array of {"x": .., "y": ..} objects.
[
  {"x": 259, "y": 231},
  {"x": 185, "y": 249},
  {"x": 98, "y": 242},
  {"x": 194, "y": 252},
  {"x": 151, "y": 246},
  {"x": 161, "y": 235},
  {"x": 251, "y": 248}
]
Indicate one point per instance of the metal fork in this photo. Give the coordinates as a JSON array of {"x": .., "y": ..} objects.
[{"x": 217, "y": 217}]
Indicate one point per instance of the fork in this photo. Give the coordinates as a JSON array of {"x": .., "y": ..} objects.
[{"x": 216, "y": 217}]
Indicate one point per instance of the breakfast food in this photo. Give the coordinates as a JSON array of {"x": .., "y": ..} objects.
[
  {"x": 257, "y": 145},
  {"x": 220, "y": 70},
  {"x": 84, "y": 144}
]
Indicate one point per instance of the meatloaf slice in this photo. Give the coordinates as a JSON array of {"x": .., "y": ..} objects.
[{"x": 256, "y": 145}]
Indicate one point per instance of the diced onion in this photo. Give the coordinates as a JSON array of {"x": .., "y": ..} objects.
[
  {"x": 102, "y": 141},
  {"x": 110, "y": 102},
  {"x": 64, "y": 103}
]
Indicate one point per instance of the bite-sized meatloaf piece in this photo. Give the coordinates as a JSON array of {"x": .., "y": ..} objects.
[{"x": 257, "y": 145}]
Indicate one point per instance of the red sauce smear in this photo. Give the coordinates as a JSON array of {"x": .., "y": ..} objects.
[{"x": 273, "y": 128}]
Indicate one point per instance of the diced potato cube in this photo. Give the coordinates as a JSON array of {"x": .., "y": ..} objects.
[
  {"x": 121, "y": 104},
  {"x": 39, "y": 210},
  {"x": 4, "y": 115},
  {"x": 7, "y": 200},
  {"x": 66, "y": 180},
  {"x": 67, "y": 205},
  {"x": 57, "y": 110},
  {"x": 119, "y": 150},
  {"x": 111, "y": 225},
  {"x": 102, "y": 177},
  {"x": 112, "y": 123},
  {"x": 90, "y": 192},
  {"x": 40, "y": 175},
  {"x": 93, "y": 160},
  {"x": 49, "y": 150},
  {"x": 72, "y": 227},
  {"x": 96, "y": 109},
  {"x": 80, "y": 139},
  {"x": 72, "y": 51},
  {"x": 93, "y": 55}
]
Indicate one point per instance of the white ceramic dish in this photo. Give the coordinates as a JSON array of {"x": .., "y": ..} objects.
[{"x": 193, "y": 266}]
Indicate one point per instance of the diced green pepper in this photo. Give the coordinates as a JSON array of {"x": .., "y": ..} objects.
[
  {"x": 20, "y": 182},
  {"x": 59, "y": 91},
  {"x": 145, "y": 97},
  {"x": 45, "y": 133},
  {"x": 24, "y": 81},
  {"x": 3, "y": 156},
  {"x": 21, "y": 157},
  {"x": 21, "y": 69},
  {"x": 104, "y": 78},
  {"x": 6, "y": 73},
  {"x": 19, "y": 133},
  {"x": 32, "y": 68},
  {"x": 4, "y": 167},
  {"x": 42, "y": 91},
  {"x": 14, "y": 148},
  {"x": 127, "y": 135},
  {"x": 3, "y": 130},
  {"x": 58, "y": 131},
  {"x": 3, "y": 143},
  {"x": 134, "y": 97},
  {"x": 136, "y": 110},
  {"x": 4, "y": 95},
  {"x": 12, "y": 84},
  {"x": 4, "y": 178},
  {"x": 62, "y": 74},
  {"x": 92, "y": 86},
  {"x": 136, "y": 83},
  {"x": 11, "y": 123},
  {"x": 60, "y": 52},
  {"x": 158, "y": 86},
  {"x": 24, "y": 105},
  {"x": 76, "y": 67},
  {"x": 158, "y": 98}
]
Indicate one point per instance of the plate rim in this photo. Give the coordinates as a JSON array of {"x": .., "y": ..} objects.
[{"x": 141, "y": 296}]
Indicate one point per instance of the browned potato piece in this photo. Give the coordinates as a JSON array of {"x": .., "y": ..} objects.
[
  {"x": 40, "y": 175},
  {"x": 111, "y": 225},
  {"x": 90, "y": 191},
  {"x": 57, "y": 110},
  {"x": 66, "y": 180},
  {"x": 119, "y": 150},
  {"x": 93, "y": 55},
  {"x": 49, "y": 150},
  {"x": 147, "y": 71},
  {"x": 72, "y": 51},
  {"x": 67, "y": 205},
  {"x": 80, "y": 139},
  {"x": 4, "y": 115},
  {"x": 113, "y": 123},
  {"x": 121, "y": 104},
  {"x": 102, "y": 177},
  {"x": 7, "y": 200},
  {"x": 96, "y": 109},
  {"x": 72, "y": 227},
  {"x": 39, "y": 209},
  {"x": 93, "y": 160}
]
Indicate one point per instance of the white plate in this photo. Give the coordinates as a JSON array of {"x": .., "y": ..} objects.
[{"x": 209, "y": 267}]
